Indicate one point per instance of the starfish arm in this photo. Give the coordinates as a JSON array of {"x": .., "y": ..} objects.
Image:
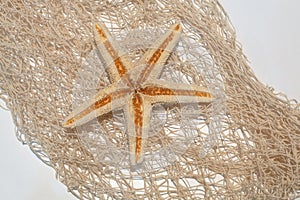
[
  {"x": 138, "y": 116},
  {"x": 100, "y": 104},
  {"x": 163, "y": 91},
  {"x": 116, "y": 60},
  {"x": 157, "y": 55}
]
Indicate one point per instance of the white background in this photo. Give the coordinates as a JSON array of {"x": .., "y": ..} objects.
[{"x": 269, "y": 31}]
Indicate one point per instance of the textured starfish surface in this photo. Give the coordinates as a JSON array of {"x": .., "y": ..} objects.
[{"x": 135, "y": 87}]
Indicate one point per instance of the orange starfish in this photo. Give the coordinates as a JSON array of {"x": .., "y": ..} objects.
[{"x": 135, "y": 88}]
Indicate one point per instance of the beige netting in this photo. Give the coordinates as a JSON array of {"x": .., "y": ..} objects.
[{"x": 244, "y": 145}]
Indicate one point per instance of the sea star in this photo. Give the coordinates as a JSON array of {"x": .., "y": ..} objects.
[{"x": 136, "y": 87}]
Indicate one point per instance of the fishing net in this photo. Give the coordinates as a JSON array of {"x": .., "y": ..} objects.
[{"x": 243, "y": 145}]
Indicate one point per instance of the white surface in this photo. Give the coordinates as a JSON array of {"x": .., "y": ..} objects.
[
  {"x": 269, "y": 31},
  {"x": 23, "y": 175}
]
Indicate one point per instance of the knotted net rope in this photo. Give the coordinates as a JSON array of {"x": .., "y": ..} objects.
[{"x": 243, "y": 146}]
